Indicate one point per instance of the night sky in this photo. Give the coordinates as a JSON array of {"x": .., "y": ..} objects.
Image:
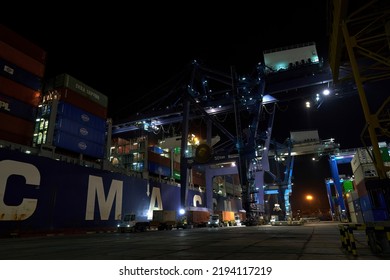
[
  {"x": 133, "y": 54},
  {"x": 128, "y": 58}
]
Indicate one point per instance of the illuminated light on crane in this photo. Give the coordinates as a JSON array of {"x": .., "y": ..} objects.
[
  {"x": 269, "y": 99},
  {"x": 326, "y": 92}
]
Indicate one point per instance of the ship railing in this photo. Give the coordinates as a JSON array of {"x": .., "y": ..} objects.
[{"x": 17, "y": 147}]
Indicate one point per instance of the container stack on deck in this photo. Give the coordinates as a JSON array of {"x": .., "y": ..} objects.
[
  {"x": 80, "y": 122},
  {"x": 22, "y": 68},
  {"x": 49, "y": 187},
  {"x": 371, "y": 204}
]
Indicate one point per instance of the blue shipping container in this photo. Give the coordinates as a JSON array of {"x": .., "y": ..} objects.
[
  {"x": 356, "y": 205},
  {"x": 80, "y": 130},
  {"x": 365, "y": 203},
  {"x": 17, "y": 108},
  {"x": 368, "y": 216},
  {"x": 75, "y": 144},
  {"x": 159, "y": 169},
  {"x": 76, "y": 114},
  {"x": 156, "y": 149},
  {"x": 380, "y": 214},
  {"x": 19, "y": 75}
]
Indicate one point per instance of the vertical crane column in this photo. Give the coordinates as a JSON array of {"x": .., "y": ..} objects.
[
  {"x": 339, "y": 191},
  {"x": 183, "y": 155},
  {"x": 330, "y": 199},
  {"x": 209, "y": 178},
  {"x": 287, "y": 181}
]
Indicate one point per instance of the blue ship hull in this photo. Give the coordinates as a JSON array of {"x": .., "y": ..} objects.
[{"x": 39, "y": 194}]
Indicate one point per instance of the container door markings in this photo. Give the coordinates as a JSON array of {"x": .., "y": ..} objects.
[
  {"x": 96, "y": 189},
  {"x": 197, "y": 200},
  {"x": 155, "y": 198},
  {"x": 32, "y": 176}
]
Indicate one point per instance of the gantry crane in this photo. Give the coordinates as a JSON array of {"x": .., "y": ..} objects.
[
  {"x": 360, "y": 52},
  {"x": 249, "y": 106}
]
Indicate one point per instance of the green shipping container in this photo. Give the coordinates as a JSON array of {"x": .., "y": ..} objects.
[
  {"x": 67, "y": 81},
  {"x": 347, "y": 186},
  {"x": 385, "y": 154}
]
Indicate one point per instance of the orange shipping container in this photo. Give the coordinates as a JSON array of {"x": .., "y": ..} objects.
[
  {"x": 226, "y": 216},
  {"x": 198, "y": 217},
  {"x": 20, "y": 92},
  {"x": 22, "y": 60}
]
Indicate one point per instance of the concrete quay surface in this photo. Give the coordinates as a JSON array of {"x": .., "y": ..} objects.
[{"x": 311, "y": 241}]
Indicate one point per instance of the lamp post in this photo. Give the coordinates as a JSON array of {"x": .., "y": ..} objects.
[{"x": 310, "y": 198}]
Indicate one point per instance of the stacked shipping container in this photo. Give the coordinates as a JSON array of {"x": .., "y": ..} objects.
[
  {"x": 354, "y": 207},
  {"x": 80, "y": 121},
  {"x": 129, "y": 154},
  {"x": 371, "y": 203},
  {"x": 22, "y": 67}
]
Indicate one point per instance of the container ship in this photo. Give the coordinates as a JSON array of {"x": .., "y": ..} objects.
[{"x": 60, "y": 168}]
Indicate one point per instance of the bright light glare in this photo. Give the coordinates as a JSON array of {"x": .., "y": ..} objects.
[
  {"x": 326, "y": 92},
  {"x": 309, "y": 197},
  {"x": 307, "y": 104}
]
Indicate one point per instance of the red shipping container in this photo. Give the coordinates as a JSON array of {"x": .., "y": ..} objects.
[
  {"x": 15, "y": 125},
  {"x": 20, "y": 92},
  {"x": 198, "y": 177},
  {"x": 160, "y": 160},
  {"x": 13, "y": 138},
  {"x": 18, "y": 42},
  {"x": 360, "y": 188},
  {"x": 82, "y": 102},
  {"x": 22, "y": 60},
  {"x": 242, "y": 216}
]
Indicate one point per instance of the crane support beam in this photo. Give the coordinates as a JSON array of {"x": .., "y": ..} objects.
[{"x": 350, "y": 45}]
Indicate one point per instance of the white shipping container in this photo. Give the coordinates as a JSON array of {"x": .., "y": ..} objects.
[
  {"x": 353, "y": 217},
  {"x": 365, "y": 171},
  {"x": 304, "y": 136},
  {"x": 362, "y": 156},
  {"x": 351, "y": 207},
  {"x": 351, "y": 196},
  {"x": 356, "y": 217}
]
